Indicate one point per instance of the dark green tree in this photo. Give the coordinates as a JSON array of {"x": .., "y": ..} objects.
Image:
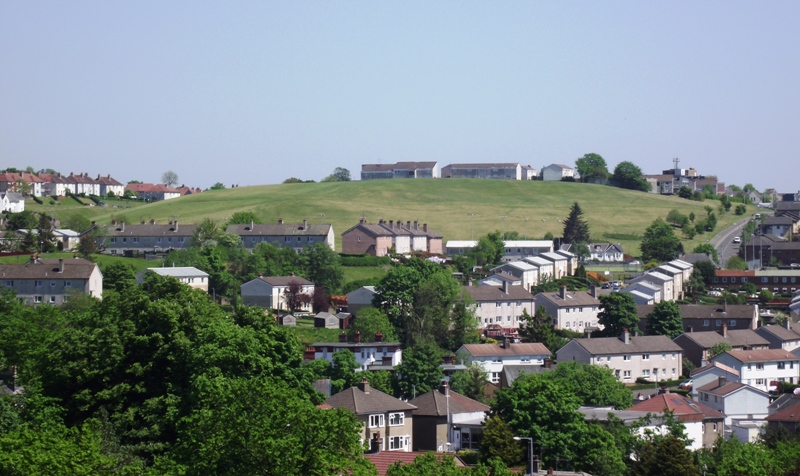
[
  {"x": 736, "y": 262},
  {"x": 323, "y": 267},
  {"x": 119, "y": 277},
  {"x": 706, "y": 270},
  {"x": 368, "y": 322},
  {"x": 207, "y": 233},
  {"x": 243, "y": 218},
  {"x": 218, "y": 186},
  {"x": 664, "y": 456},
  {"x": 617, "y": 312},
  {"x": 339, "y": 175},
  {"x": 24, "y": 220},
  {"x": 576, "y": 230},
  {"x": 718, "y": 349},
  {"x": 343, "y": 371},
  {"x": 596, "y": 386},
  {"x": 659, "y": 242},
  {"x": 708, "y": 249},
  {"x": 470, "y": 382},
  {"x": 665, "y": 320},
  {"x": 419, "y": 372},
  {"x": 45, "y": 235},
  {"x": 539, "y": 328},
  {"x": 490, "y": 249},
  {"x": 497, "y": 441},
  {"x": 627, "y": 175},
  {"x": 592, "y": 166}
]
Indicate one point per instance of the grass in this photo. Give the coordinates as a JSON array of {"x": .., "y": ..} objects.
[
  {"x": 308, "y": 334},
  {"x": 362, "y": 272},
  {"x": 459, "y": 209}
]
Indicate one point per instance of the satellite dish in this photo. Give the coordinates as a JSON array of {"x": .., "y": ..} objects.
[{"x": 797, "y": 391}]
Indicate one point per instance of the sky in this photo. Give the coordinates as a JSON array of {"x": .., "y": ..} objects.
[{"x": 256, "y": 92}]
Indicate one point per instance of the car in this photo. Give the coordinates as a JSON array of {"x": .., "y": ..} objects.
[
  {"x": 606, "y": 285},
  {"x": 737, "y": 240},
  {"x": 686, "y": 384},
  {"x": 715, "y": 293}
]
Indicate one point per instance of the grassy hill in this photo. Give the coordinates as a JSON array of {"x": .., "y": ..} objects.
[{"x": 456, "y": 208}]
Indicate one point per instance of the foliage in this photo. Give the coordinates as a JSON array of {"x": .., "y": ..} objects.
[
  {"x": 665, "y": 456},
  {"x": 659, "y": 242},
  {"x": 718, "y": 349},
  {"x": 706, "y": 249},
  {"x": 76, "y": 222},
  {"x": 592, "y": 166},
  {"x": 207, "y": 233},
  {"x": 45, "y": 235},
  {"x": 706, "y": 270},
  {"x": 24, "y": 220},
  {"x": 322, "y": 267},
  {"x": 539, "y": 328},
  {"x": 617, "y": 312},
  {"x": 736, "y": 262},
  {"x": 169, "y": 178},
  {"x": 576, "y": 230},
  {"x": 294, "y": 297},
  {"x": 497, "y": 441},
  {"x": 243, "y": 218},
  {"x": 470, "y": 382},
  {"x": 676, "y": 218},
  {"x": 627, "y": 175},
  {"x": 119, "y": 277},
  {"x": 365, "y": 260},
  {"x": 419, "y": 371},
  {"x": 217, "y": 186},
  {"x": 381, "y": 380},
  {"x": 343, "y": 371},
  {"x": 490, "y": 249},
  {"x": 594, "y": 385},
  {"x": 368, "y": 322},
  {"x": 665, "y": 320},
  {"x": 339, "y": 175},
  {"x": 431, "y": 464}
]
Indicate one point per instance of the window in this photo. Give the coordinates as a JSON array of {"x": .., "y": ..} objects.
[
  {"x": 499, "y": 304},
  {"x": 309, "y": 239},
  {"x": 37, "y": 299},
  {"x": 397, "y": 419},
  {"x": 645, "y": 356},
  {"x": 715, "y": 427},
  {"x": 298, "y": 238},
  {"x": 759, "y": 381},
  {"x": 525, "y": 358},
  {"x": 495, "y": 377},
  {"x": 718, "y": 322},
  {"x": 398, "y": 443},
  {"x": 764, "y": 280},
  {"x": 626, "y": 358},
  {"x": 135, "y": 239},
  {"x": 376, "y": 421},
  {"x": 673, "y": 370},
  {"x": 124, "y": 240},
  {"x": 781, "y": 365},
  {"x": 627, "y": 374},
  {"x": 286, "y": 238},
  {"x": 705, "y": 397},
  {"x": 673, "y": 356},
  {"x": 732, "y": 323},
  {"x": 52, "y": 299},
  {"x": 646, "y": 373},
  {"x": 113, "y": 240},
  {"x": 509, "y": 318},
  {"x": 567, "y": 325},
  {"x": 9, "y": 284},
  {"x": 169, "y": 239},
  {"x": 705, "y": 322},
  {"x": 663, "y": 356},
  {"x": 759, "y": 366},
  {"x": 158, "y": 240},
  {"x": 38, "y": 284},
  {"x": 52, "y": 284},
  {"x": 181, "y": 239}
]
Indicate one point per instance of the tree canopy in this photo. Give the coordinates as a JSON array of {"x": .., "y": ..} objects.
[
  {"x": 169, "y": 178},
  {"x": 617, "y": 312},
  {"x": 665, "y": 320},
  {"x": 659, "y": 242},
  {"x": 628, "y": 175},
  {"x": 576, "y": 230},
  {"x": 592, "y": 166}
]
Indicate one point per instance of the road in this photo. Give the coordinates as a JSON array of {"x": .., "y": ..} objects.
[{"x": 724, "y": 244}]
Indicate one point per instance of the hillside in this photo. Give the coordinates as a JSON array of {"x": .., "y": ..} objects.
[{"x": 456, "y": 208}]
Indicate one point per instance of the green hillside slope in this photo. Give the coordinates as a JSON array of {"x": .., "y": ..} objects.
[{"x": 456, "y": 208}]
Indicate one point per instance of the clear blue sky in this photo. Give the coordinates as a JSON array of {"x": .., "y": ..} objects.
[{"x": 255, "y": 92}]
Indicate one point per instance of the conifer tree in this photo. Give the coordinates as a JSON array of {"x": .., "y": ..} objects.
[{"x": 576, "y": 230}]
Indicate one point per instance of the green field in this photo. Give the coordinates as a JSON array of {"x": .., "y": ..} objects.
[{"x": 459, "y": 209}]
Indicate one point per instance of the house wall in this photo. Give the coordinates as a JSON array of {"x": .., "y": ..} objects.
[
  {"x": 505, "y": 313},
  {"x": 387, "y": 431},
  {"x": 366, "y": 355},
  {"x": 435, "y": 246},
  {"x": 493, "y": 365},
  {"x": 744, "y": 404},
  {"x": 761, "y": 378},
  {"x": 627, "y": 371},
  {"x": 119, "y": 244},
  {"x": 256, "y": 293},
  {"x": 356, "y": 242},
  {"x": 554, "y": 173},
  {"x": 402, "y": 244},
  {"x": 359, "y": 299},
  {"x": 286, "y": 241},
  {"x": 575, "y": 318}
]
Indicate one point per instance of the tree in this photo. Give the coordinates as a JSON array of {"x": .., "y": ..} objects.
[
  {"x": 765, "y": 296},
  {"x": 497, "y": 441},
  {"x": 736, "y": 262},
  {"x": 708, "y": 249},
  {"x": 489, "y": 250},
  {"x": 539, "y": 328},
  {"x": 659, "y": 242},
  {"x": 665, "y": 320},
  {"x": 343, "y": 371},
  {"x": 470, "y": 382},
  {"x": 24, "y": 220},
  {"x": 592, "y": 166},
  {"x": 706, "y": 270},
  {"x": 218, "y": 186},
  {"x": 243, "y": 218},
  {"x": 294, "y": 296},
  {"x": 76, "y": 222},
  {"x": 685, "y": 192},
  {"x": 45, "y": 235},
  {"x": 339, "y": 175},
  {"x": 718, "y": 349},
  {"x": 664, "y": 456},
  {"x": 576, "y": 230},
  {"x": 595, "y": 385},
  {"x": 617, "y": 312},
  {"x": 370, "y": 321},
  {"x": 323, "y": 267},
  {"x": 419, "y": 372},
  {"x": 207, "y": 233},
  {"x": 676, "y": 218},
  {"x": 169, "y": 178},
  {"x": 119, "y": 277},
  {"x": 627, "y": 175}
]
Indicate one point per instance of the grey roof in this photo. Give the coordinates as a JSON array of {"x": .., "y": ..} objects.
[
  {"x": 573, "y": 298},
  {"x": 553, "y": 256},
  {"x": 780, "y": 332},
  {"x": 777, "y": 221},
  {"x": 702, "y": 311},
  {"x": 715, "y": 388},
  {"x": 436, "y": 403},
  {"x": 512, "y": 372},
  {"x": 765, "y": 355},
  {"x": 363, "y": 399},
  {"x": 179, "y": 272},
  {"x": 680, "y": 264},
  {"x": 493, "y": 294},
  {"x": 147, "y": 229},
  {"x": 76, "y": 268},
  {"x": 279, "y": 230},
  {"x": 628, "y": 417},
  {"x": 638, "y": 344},
  {"x": 736, "y": 338},
  {"x": 695, "y": 258},
  {"x": 284, "y": 280}
]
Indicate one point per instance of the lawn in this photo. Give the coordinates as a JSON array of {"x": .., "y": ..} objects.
[
  {"x": 308, "y": 334},
  {"x": 357, "y": 273}
]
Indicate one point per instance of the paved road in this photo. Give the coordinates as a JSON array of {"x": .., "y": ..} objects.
[{"x": 723, "y": 242}]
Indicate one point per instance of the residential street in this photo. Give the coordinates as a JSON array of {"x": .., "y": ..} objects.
[{"x": 723, "y": 242}]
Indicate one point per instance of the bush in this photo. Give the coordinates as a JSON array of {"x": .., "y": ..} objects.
[
  {"x": 38, "y": 200},
  {"x": 470, "y": 457},
  {"x": 95, "y": 199}
]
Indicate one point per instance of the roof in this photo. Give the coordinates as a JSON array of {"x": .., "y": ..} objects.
[
  {"x": 714, "y": 388},
  {"x": 628, "y": 417},
  {"x": 653, "y": 275},
  {"x": 492, "y": 293},
  {"x": 537, "y": 261},
  {"x": 278, "y": 229},
  {"x": 461, "y": 244},
  {"x": 787, "y": 414},
  {"x": 76, "y": 268},
  {"x": 179, "y": 272},
  {"x": 107, "y": 180},
  {"x": 528, "y": 243},
  {"x": 765, "y": 355},
  {"x": 680, "y": 264},
  {"x": 714, "y": 365},
  {"x": 511, "y": 372},
  {"x": 702, "y": 311},
  {"x": 638, "y": 344},
  {"x": 780, "y": 332},
  {"x": 284, "y": 280},
  {"x": 435, "y": 403},
  {"x": 734, "y": 273},
  {"x": 553, "y": 256},
  {"x": 491, "y": 350},
  {"x": 385, "y": 459},
  {"x": 683, "y": 408},
  {"x": 779, "y": 221},
  {"x": 561, "y": 166},
  {"x": 695, "y": 258},
  {"x": 147, "y": 229},
  {"x": 150, "y": 188},
  {"x": 573, "y": 298},
  {"x": 736, "y": 338},
  {"x": 363, "y": 399}
]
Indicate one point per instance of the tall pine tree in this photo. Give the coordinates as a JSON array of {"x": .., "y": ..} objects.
[{"x": 576, "y": 230}]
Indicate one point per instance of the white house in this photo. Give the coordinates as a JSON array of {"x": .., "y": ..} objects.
[
  {"x": 493, "y": 357},
  {"x": 188, "y": 275},
  {"x": 606, "y": 252},
  {"x": 545, "y": 266},
  {"x": 560, "y": 262},
  {"x": 780, "y": 337},
  {"x": 712, "y": 372},
  {"x": 526, "y": 272},
  {"x": 677, "y": 278},
  {"x": 736, "y": 400},
  {"x": 12, "y": 202},
  {"x": 762, "y": 369},
  {"x": 644, "y": 292},
  {"x": 555, "y": 172},
  {"x": 665, "y": 282},
  {"x": 270, "y": 292},
  {"x": 571, "y": 310},
  {"x": 630, "y": 357},
  {"x": 369, "y": 355},
  {"x": 501, "y": 305},
  {"x": 519, "y": 249}
]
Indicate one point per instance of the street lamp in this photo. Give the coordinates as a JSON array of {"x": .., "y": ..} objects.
[{"x": 530, "y": 450}]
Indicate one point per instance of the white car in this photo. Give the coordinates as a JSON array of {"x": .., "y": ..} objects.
[{"x": 737, "y": 240}]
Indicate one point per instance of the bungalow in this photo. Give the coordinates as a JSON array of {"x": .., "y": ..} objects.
[
  {"x": 447, "y": 421},
  {"x": 500, "y": 305},
  {"x": 360, "y": 298},
  {"x": 571, "y": 310},
  {"x": 51, "y": 281},
  {"x": 762, "y": 369},
  {"x": 295, "y": 236},
  {"x": 493, "y": 357},
  {"x": 270, "y": 292},
  {"x": 606, "y": 252},
  {"x": 152, "y": 192}
]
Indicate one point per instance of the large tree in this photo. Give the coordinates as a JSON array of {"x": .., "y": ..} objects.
[
  {"x": 169, "y": 178},
  {"x": 659, "y": 242},
  {"x": 339, "y": 174},
  {"x": 595, "y": 385},
  {"x": 628, "y": 175},
  {"x": 576, "y": 230},
  {"x": 617, "y": 312},
  {"x": 470, "y": 382},
  {"x": 592, "y": 166},
  {"x": 419, "y": 372},
  {"x": 323, "y": 267},
  {"x": 539, "y": 328},
  {"x": 665, "y": 320},
  {"x": 489, "y": 250},
  {"x": 370, "y": 321}
]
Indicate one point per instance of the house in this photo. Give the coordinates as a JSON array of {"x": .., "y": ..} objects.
[
  {"x": 400, "y": 170},
  {"x": 780, "y": 226},
  {"x": 501, "y": 305},
  {"x": 513, "y": 249},
  {"x": 376, "y": 355},
  {"x": 83, "y": 183},
  {"x": 677, "y": 279},
  {"x": 326, "y": 320},
  {"x": 694, "y": 258},
  {"x": 781, "y": 337},
  {"x": 727, "y": 278},
  {"x": 788, "y": 418},
  {"x": 762, "y": 369},
  {"x": 630, "y": 357},
  {"x": 388, "y": 422},
  {"x": 384, "y": 461},
  {"x": 56, "y": 185},
  {"x": 712, "y": 372},
  {"x": 443, "y": 416},
  {"x": 572, "y": 261},
  {"x": 145, "y": 237},
  {"x": 644, "y": 292},
  {"x": 378, "y": 239},
  {"x": 555, "y": 172},
  {"x": 360, "y": 298},
  {"x": 571, "y": 310},
  {"x": 295, "y": 236},
  {"x": 188, "y": 275},
  {"x": 493, "y": 357},
  {"x": 13, "y": 182},
  {"x": 736, "y": 400},
  {"x": 69, "y": 239},
  {"x": 663, "y": 281},
  {"x": 606, "y": 252},
  {"x": 184, "y": 190},
  {"x": 703, "y": 424},
  {"x": 12, "y": 202},
  {"x": 546, "y": 268},
  {"x": 527, "y": 273},
  {"x": 696, "y": 345},
  {"x": 561, "y": 264},
  {"x": 52, "y": 281},
  {"x": 789, "y": 209},
  {"x": 701, "y": 317},
  {"x": 286, "y": 319},
  {"x": 498, "y": 279},
  {"x": 109, "y": 184},
  {"x": 270, "y": 292},
  {"x": 152, "y": 192},
  {"x": 507, "y": 171},
  {"x": 512, "y": 372}
]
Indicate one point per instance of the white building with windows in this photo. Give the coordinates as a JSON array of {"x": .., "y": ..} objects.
[
  {"x": 493, "y": 357},
  {"x": 501, "y": 305},
  {"x": 762, "y": 369},
  {"x": 572, "y": 310},
  {"x": 188, "y": 275}
]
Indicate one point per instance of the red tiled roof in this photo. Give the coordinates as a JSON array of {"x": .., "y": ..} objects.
[
  {"x": 385, "y": 459},
  {"x": 735, "y": 273},
  {"x": 683, "y": 408}
]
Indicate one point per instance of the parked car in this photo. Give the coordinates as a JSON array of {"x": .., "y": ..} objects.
[
  {"x": 606, "y": 285},
  {"x": 686, "y": 385}
]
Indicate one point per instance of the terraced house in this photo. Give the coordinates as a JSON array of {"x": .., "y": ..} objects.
[
  {"x": 145, "y": 237},
  {"x": 52, "y": 281},
  {"x": 287, "y": 235}
]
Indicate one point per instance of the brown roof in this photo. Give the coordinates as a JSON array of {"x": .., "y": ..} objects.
[
  {"x": 77, "y": 268},
  {"x": 711, "y": 365},
  {"x": 396, "y": 229},
  {"x": 734, "y": 273},
  {"x": 107, "y": 180},
  {"x": 683, "y": 408},
  {"x": 495, "y": 293},
  {"x": 435, "y": 403},
  {"x": 638, "y": 345},
  {"x": 788, "y": 414},
  {"x": 279, "y": 229},
  {"x": 766, "y": 355},
  {"x": 485, "y": 350},
  {"x": 780, "y": 332},
  {"x": 385, "y": 459},
  {"x": 700, "y": 311},
  {"x": 736, "y": 338},
  {"x": 284, "y": 280},
  {"x": 148, "y": 229},
  {"x": 13, "y": 177},
  {"x": 363, "y": 399},
  {"x": 573, "y": 298},
  {"x": 715, "y": 388}
]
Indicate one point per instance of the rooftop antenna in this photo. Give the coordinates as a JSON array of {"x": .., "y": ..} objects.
[{"x": 676, "y": 161}]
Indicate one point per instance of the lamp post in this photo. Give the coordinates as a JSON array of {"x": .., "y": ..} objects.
[{"x": 530, "y": 450}]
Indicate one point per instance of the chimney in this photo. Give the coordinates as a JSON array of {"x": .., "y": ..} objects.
[
  {"x": 391, "y": 223},
  {"x": 787, "y": 324},
  {"x": 444, "y": 388},
  {"x": 593, "y": 291},
  {"x": 342, "y": 337},
  {"x": 506, "y": 342},
  {"x": 722, "y": 381},
  {"x": 363, "y": 385},
  {"x": 309, "y": 353},
  {"x": 251, "y": 225},
  {"x": 425, "y": 227},
  {"x": 505, "y": 286},
  {"x": 548, "y": 363},
  {"x": 362, "y": 221},
  {"x": 152, "y": 221},
  {"x": 415, "y": 224},
  {"x": 60, "y": 265},
  {"x": 176, "y": 225},
  {"x": 408, "y": 224},
  {"x": 724, "y": 330},
  {"x": 626, "y": 336},
  {"x": 143, "y": 222},
  {"x": 563, "y": 291},
  {"x": 113, "y": 222},
  {"x": 378, "y": 337},
  {"x": 94, "y": 223},
  {"x": 280, "y": 221},
  {"x": 122, "y": 225},
  {"x": 305, "y": 224},
  {"x": 357, "y": 337}
]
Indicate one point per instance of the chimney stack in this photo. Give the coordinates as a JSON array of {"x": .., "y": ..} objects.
[
  {"x": 363, "y": 385},
  {"x": 342, "y": 337},
  {"x": 309, "y": 353},
  {"x": 362, "y": 221},
  {"x": 408, "y": 225},
  {"x": 357, "y": 337},
  {"x": 251, "y": 225},
  {"x": 505, "y": 286},
  {"x": 391, "y": 223},
  {"x": 563, "y": 291},
  {"x": 626, "y": 336},
  {"x": 415, "y": 224},
  {"x": 122, "y": 224},
  {"x": 447, "y": 359},
  {"x": 378, "y": 337},
  {"x": 280, "y": 221},
  {"x": 61, "y": 265},
  {"x": 152, "y": 221},
  {"x": 425, "y": 227},
  {"x": 305, "y": 225},
  {"x": 548, "y": 363},
  {"x": 593, "y": 291},
  {"x": 444, "y": 388},
  {"x": 724, "y": 330},
  {"x": 722, "y": 381},
  {"x": 787, "y": 324}
]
